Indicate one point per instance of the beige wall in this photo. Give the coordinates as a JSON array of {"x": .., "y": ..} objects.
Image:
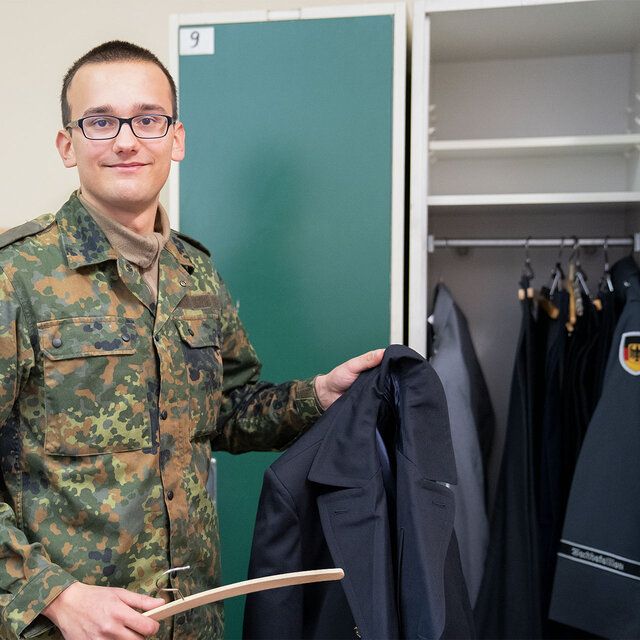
[{"x": 39, "y": 40}]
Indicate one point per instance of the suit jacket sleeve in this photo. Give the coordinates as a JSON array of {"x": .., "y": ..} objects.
[{"x": 276, "y": 613}]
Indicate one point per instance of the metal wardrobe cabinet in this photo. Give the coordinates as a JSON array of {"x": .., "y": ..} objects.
[{"x": 525, "y": 122}]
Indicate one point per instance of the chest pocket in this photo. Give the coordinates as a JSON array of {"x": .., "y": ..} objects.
[
  {"x": 201, "y": 341},
  {"x": 94, "y": 386}
]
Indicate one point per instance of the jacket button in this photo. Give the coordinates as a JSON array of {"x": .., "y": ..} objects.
[
  {"x": 169, "y": 495},
  {"x": 163, "y": 414},
  {"x": 183, "y": 283},
  {"x": 56, "y": 342},
  {"x": 125, "y": 337},
  {"x": 191, "y": 332}
]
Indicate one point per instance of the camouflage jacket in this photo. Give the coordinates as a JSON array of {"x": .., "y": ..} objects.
[{"x": 110, "y": 406}]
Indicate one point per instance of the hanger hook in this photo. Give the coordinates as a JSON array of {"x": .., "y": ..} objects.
[
  {"x": 172, "y": 572},
  {"x": 606, "y": 254},
  {"x": 528, "y": 269},
  {"x": 557, "y": 274},
  {"x": 575, "y": 253},
  {"x": 606, "y": 284}
]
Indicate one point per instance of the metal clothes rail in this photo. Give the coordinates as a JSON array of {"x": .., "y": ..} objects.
[{"x": 569, "y": 241}]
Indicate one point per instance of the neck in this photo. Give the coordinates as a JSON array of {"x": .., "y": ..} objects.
[{"x": 138, "y": 217}]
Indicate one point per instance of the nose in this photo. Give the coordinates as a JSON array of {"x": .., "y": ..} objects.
[{"x": 125, "y": 139}]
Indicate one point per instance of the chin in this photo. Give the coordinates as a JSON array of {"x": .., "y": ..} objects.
[{"x": 131, "y": 194}]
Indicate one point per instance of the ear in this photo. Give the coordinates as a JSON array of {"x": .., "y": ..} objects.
[
  {"x": 65, "y": 148},
  {"x": 177, "y": 150}
]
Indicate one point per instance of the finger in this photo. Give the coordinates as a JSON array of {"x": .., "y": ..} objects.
[
  {"x": 365, "y": 361},
  {"x": 115, "y": 628},
  {"x": 127, "y": 634},
  {"x": 139, "y": 624},
  {"x": 139, "y": 600}
]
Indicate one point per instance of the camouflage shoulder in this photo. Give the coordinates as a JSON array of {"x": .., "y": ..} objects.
[
  {"x": 192, "y": 242},
  {"x": 27, "y": 229}
]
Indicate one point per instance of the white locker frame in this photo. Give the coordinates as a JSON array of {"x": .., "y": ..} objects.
[
  {"x": 398, "y": 11},
  {"x": 419, "y": 163}
]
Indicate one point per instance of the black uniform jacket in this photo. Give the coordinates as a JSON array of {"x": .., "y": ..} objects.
[
  {"x": 366, "y": 489},
  {"x": 597, "y": 580}
]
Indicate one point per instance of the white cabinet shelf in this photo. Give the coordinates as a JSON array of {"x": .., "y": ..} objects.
[
  {"x": 545, "y": 146},
  {"x": 470, "y": 200}
]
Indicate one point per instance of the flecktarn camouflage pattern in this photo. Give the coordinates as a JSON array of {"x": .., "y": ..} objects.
[{"x": 110, "y": 406}]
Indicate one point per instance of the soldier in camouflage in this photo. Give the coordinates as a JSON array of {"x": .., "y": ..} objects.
[{"x": 118, "y": 379}]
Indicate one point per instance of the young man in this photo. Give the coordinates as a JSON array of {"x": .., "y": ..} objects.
[{"x": 123, "y": 364}]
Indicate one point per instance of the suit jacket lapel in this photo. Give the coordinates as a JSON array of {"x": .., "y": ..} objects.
[{"x": 356, "y": 528}]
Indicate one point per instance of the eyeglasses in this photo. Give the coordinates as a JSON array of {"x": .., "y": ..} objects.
[{"x": 147, "y": 126}]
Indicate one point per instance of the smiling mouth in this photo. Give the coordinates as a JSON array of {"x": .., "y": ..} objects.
[{"x": 134, "y": 165}]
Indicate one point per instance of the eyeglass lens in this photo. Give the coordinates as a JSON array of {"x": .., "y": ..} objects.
[{"x": 144, "y": 126}]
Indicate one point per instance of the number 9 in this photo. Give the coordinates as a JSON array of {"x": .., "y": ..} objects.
[{"x": 195, "y": 38}]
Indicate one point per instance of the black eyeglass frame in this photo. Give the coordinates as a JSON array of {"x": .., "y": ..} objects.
[{"x": 80, "y": 122}]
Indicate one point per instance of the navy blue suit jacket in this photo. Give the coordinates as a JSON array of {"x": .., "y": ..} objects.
[{"x": 366, "y": 489}]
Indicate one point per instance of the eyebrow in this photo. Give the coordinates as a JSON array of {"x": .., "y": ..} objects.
[{"x": 140, "y": 107}]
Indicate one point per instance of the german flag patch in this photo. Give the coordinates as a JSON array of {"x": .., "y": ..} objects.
[{"x": 630, "y": 352}]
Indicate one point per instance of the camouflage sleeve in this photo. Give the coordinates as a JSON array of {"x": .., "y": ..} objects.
[
  {"x": 257, "y": 416},
  {"x": 28, "y": 580}
]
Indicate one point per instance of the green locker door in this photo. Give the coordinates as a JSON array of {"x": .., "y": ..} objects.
[{"x": 288, "y": 181}]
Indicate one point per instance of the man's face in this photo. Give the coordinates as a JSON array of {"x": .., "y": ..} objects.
[{"x": 126, "y": 172}]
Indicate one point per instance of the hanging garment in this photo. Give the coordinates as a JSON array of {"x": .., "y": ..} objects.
[
  {"x": 367, "y": 490},
  {"x": 623, "y": 274},
  {"x": 508, "y": 604},
  {"x": 550, "y": 505},
  {"x": 611, "y": 304},
  {"x": 607, "y": 324},
  {"x": 585, "y": 378},
  {"x": 575, "y": 409},
  {"x": 597, "y": 581},
  {"x": 472, "y": 421}
]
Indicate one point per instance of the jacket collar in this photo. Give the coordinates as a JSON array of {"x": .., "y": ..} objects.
[
  {"x": 82, "y": 239},
  {"x": 443, "y": 306},
  {"x": 176, "y": 247},
  {"x": 625, "y": 274},
  {"x": 406, "y": 385},
  {"x": 85, "y": 243}
]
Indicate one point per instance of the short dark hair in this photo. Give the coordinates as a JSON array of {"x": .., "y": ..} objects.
[{"x": 114, "y": 51}]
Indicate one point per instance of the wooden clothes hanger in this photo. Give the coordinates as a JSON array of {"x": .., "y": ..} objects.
[
  {"x": 528, "y": 291},
  {"x": 242, "y": 588}
]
